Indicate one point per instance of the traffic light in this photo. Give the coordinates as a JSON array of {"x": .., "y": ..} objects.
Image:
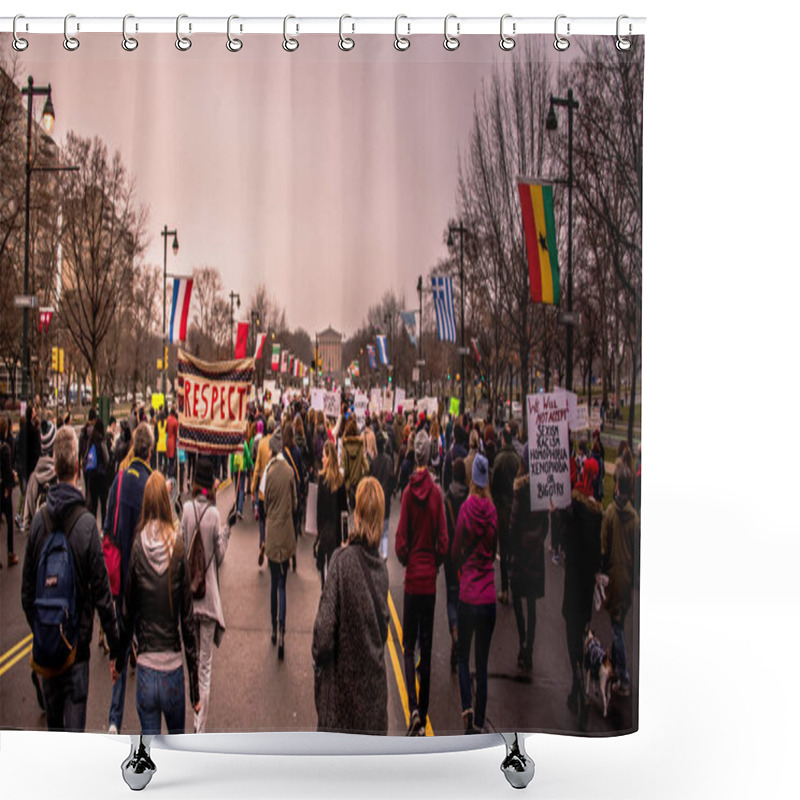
[
  {"x": 61, "y": 360},
  {"x": 54, "y": 360},
  {"x": 166, "y": 358}
]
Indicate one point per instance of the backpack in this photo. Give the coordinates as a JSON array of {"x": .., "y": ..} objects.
[
  {"x": 55, "y": 616},
  {"x": 90, "y": 464},
  {"x": 198, "y": 566}
]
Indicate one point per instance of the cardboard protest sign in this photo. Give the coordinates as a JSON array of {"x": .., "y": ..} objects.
[
  {"x": 572, "y": 405},
  {"x": 399, "y": 399},
  {"x": 375, "y": 401},
  {"x": 360, "y": 403},
  {"x": 548, "y": 448},
  {"x": 212, "y": 403},
  {"x": 331, "y": 405},
  {"x": 318, "y": 399}
]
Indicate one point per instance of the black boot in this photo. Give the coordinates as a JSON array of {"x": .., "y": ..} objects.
[{"x": 280, "y": 644}]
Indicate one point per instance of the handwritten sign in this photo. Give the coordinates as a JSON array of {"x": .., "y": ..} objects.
[
  {"x": 548, "y": 445},
  {"x": 375, "y": 401},
  {"x": 360, "y": 403},
  {"x": 388, "y": 401},
  {"x": 399, "y": 399},
  {"x": 318, "y": 399},
  {"x": 331, "y": 405},
  {"x": 581, "y": 418},
  {"x": 429, "y": 406}
]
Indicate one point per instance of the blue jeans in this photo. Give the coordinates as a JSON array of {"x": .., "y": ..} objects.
[
  {"x": 117, "y": 709},
  {"x": 385, "y": 540},
  {"x": 477, "y": 620},
  {"x": 160, "y": 693},
  {"x": 241, "y": 479},
  {"x": 619, "y": 652},
  {"x": 65, "y": 699},
  {"x": 277, "y": 586}
]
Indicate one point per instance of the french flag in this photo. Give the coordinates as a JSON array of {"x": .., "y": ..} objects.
[{"x": 179, "y": 317}]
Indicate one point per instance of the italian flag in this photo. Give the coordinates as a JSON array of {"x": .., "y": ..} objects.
[{"x": 538, "y": 221}]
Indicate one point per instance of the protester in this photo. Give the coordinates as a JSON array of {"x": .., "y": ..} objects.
[
  {"x": 473, "y": 550},
  {"x": 506, "y": 467},
  {"x": 454, "y": 499},
  {"x": 599, "y": 455},
  {"x": 457, "y": 450},
  {"x": 331, "y": 504},
  {"x": 26, "y": 455},
  {"x": 421, "y": 545},
  {"x": 7, "y": 483},
  {"x": 120, "y": 525},
  {"x": 161, "y": 441},
  {"x": 527, "y": 534},
  {"x": 354, "y": 459},
  {"x": 278, "y": 495},
  {"x": 95, "y": 466},
  {"x": 291, "y": 454},
  {"x": 158, "y": 606},
  {"x": 65, "y": 686},
  {"x": 172, "y": 442},
  {"x": 240, "y": 464},
  {"x": 43, "y": 477},
  {"x": 351, "y": 627},
  {"x": 620, "y": 549},
  {"x": 201, "y": 518},
  {"x": 381, "y": 470},
  {"x": 86, "y": 434},
  {"x": 121, "y": 447}
]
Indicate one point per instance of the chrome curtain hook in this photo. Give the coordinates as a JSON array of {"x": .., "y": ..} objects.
[
  {"x": 19, "y": 44},
  {"x": 561, "y": 43},
  {"x": 622, "y": 42},
  {"x": 233, "y": 44},
  {"x": 290, "y": 44},
  {"x": 128, "y": 42},
  {"x": 183, "y": 43},
  {"x": 507, "y": 42},
  {"x": 401, "y": 43},
  {"x": 451, "y": 42},
  {"x": 345, "y": 42},
  {"x": 70, "y": 42}
]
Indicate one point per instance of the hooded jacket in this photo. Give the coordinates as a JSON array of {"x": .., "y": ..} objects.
[
  {"x": 354, "y": 461},
  {"x": 619, "y": 538},
  {"x": 506, "y": 467},
  {"x": 280, "y": 502},
  {"x": 44, "y": 473},
  {"x": 581, "y": 539},
  {"x": 474, "y": 548},
  {"x": 91, "y": 578},
  {"x": 421, "y": 541}
]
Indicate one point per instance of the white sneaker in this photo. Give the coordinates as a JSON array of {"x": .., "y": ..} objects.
[{"x": 112, "y": 729}]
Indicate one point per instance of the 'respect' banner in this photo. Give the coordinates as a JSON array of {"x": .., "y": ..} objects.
[{"x": 212, "y": 403}]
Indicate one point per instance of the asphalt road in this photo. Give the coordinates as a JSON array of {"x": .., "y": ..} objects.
[{"x": 252, "y": 691}]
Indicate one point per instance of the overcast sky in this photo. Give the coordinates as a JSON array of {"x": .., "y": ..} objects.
[{"x": 329, "y": 176}]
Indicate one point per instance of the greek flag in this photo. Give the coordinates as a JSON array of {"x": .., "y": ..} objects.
[
  {"x": 382, "y": 352},
  {"x": 443, "y": 303}
]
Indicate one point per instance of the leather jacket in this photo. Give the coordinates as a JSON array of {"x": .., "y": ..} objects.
[{"x": 154, "y": 606}]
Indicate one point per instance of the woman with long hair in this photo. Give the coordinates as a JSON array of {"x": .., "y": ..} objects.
[
  {"x": 331, "y": 504},
  {"x": 158, "y": 609}
]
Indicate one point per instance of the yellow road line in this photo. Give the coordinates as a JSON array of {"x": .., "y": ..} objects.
[
  {"x": 398, "y": 676},
  {"x": 6, "y": 667},
  {"x": 16, "y": 647},
  {"x": 400, "y": 682}
]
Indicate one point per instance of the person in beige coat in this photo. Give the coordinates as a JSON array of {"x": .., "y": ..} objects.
[{"x": 277, "y": 496}]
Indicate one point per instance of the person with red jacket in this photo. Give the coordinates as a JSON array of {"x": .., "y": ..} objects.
[
  {"x": 172, "y": 442},
  {"x": 421, "y": 546}
]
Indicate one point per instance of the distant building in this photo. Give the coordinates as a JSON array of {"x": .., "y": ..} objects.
[{"x": 330, "y": 351}]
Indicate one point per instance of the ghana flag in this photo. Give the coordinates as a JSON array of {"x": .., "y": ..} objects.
[{"x": 539, "y": 223}]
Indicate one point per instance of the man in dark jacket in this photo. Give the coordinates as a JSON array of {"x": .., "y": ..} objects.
[
  {"x": 86, "y": 436},
  {"x": 382, "y": 470},
  {"x": 122, "y": 517},
  {"x": 421, "y": 545},
  {"x": 458, "y": 450},
  {"x": 506, "y": 467},
  {"x": 65, "y": 694}
]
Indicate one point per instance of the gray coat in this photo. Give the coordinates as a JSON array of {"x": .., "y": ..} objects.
[
  {"x": 350, "y": 685},
  {"x": 215, "y": 542}
]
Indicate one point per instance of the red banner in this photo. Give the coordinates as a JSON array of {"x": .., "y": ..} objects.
[{"x": 241, "y": 340}]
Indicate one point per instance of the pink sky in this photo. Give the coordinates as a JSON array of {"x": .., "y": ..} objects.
[{"x": 329, "y": 176}]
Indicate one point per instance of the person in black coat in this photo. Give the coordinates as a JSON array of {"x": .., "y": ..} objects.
[
  {"x": 331, "y": 504},
  {"x": 96, "y": 478},
  {"x": 382, "y": 469}
]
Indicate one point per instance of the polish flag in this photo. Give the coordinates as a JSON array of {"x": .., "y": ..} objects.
[
  {"x": 241, "y": 340},
  {"x": 179, "y": 316}
]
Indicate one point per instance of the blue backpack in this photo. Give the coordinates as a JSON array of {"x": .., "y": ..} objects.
[
  {"x": 55, "y": 616},
  {"x": 91, "y": 460}
]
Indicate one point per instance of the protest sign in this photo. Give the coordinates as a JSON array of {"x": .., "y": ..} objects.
[
  {"x": 375, "y": 401},
  {"x": 572, "y": 405},
  {"x": 388, "y": 401},
  {"x": 157, "y": 401},
  {"x": 455, "y": 405},
  {"x": 429, "y": 406},
  {"x": 548, "y": 446},
  {"x": 581, "y": 418},
  {"x": 360, "y": 403},
  {"x": 212, "y": 403},
  {"x": 331, "y": 405},
  {"x": 399, "y": 399},
  {"x": 595, "y": 420},
  {"x": 318, "y": 399}
]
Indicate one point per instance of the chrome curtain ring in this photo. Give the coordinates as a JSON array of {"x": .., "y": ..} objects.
[
  {"x": 401, "y": 43},
  {"x": 623, "y": 43},
  {"x": 561, "y": 43},
  {"x": 507, "y": 42},
  {"x": 290, "y": 44},
  {"x": 70, "y": 42},
  {"x": 451, "y": 42},
  {"x": 128, "y": 42},
  {"x": 183, "y": 43},
  {"x": 345, "y": 42},
  {"x": 233, "y": 44},
  {"x": 18, "y": 43}
]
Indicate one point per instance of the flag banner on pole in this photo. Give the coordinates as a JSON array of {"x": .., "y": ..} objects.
[
  {"x": 179, "y": 316},
  {"x": 241, "y": 339},
  {"x": 354, "y": 369},
  {"x": 284, "y": 361},
  {"x": 45, "y": 318},
  {"x": 212, "y": 403},
  {"x": 259, "y": 345},
  {"x": 291, "y": 365},
  {"x": 373, "y": 364},
  {"x": 383, "y": 353},
  {"x": 276, "y": 357},
  {"x": 475, "y": 350},
  {"x": 409, "y": 319},
  {"x": 445, "y": 312},
  {"x": 538, "y": 221}
]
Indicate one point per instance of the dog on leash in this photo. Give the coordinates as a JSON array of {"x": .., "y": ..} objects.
[{"x": 597, "y": 667}]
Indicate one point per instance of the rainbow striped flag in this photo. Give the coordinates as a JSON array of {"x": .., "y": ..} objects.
[{"x": 538, "y": 221}]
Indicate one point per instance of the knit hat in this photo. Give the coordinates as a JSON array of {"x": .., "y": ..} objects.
[
  {"x": 260, "y": 426},
  {"x": 422, "y": 449},
  {"x": 204, "y": 474},
  {"x": 480, "y": 471},
  {"x": 48, "y": 436}
]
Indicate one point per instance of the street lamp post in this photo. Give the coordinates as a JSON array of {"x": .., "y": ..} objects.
[
  {"x": 166, "y": 233},
  {"x": 238, "y": 305},
  {"x": 551, "y": 124},
  {"x": 461, "y": 230}
]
